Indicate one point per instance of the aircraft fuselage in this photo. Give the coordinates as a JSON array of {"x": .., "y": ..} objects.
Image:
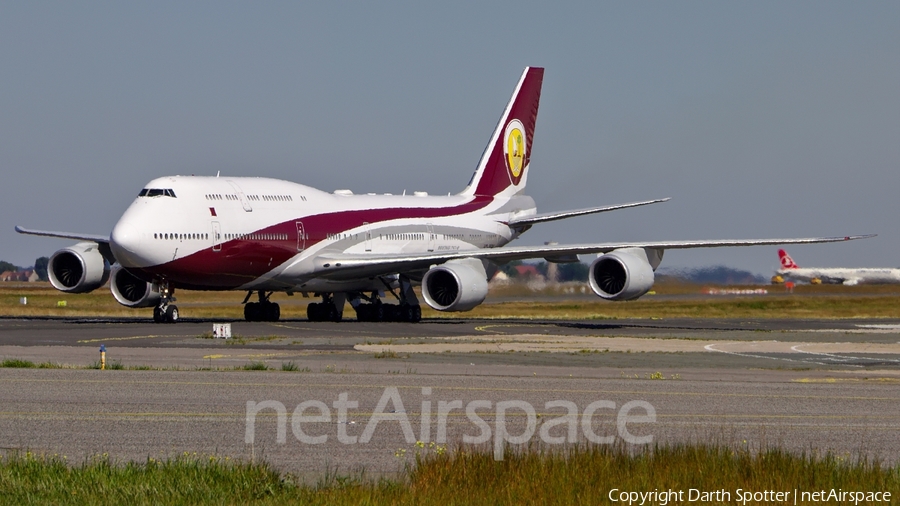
[{"x": 215, "y": 233}]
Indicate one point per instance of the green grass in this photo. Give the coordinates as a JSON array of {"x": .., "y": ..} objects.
[
  {"x": 807, "y": 301},
  {"x": 255, "y": 366},
  {"x": 18, "y": 363},
  {"x": 292, "y": 366},
  {"x": 581, "y": 475},
  {"x": 110, "y": 365}
]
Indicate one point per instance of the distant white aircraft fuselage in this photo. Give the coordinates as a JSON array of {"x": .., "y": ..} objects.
[
  {"x": 835, "y": 275},
  {"x": 266, "y": 235}
]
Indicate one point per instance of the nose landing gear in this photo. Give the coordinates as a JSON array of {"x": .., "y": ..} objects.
[{"x": 165, "y": 311}]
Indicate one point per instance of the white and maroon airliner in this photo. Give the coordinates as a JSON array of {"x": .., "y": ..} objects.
[{"x": 264, "y": 235}]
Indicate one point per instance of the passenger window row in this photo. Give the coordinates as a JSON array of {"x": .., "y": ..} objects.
[
  {"x": 402, "y": 237},
  {"x": 252, "y": 237},
  {"x": 181, "y": 237},
  {"x": 233, "y": 197},
  {"x": 258, "y": 237},
  {"x": 272, "y": 198}
]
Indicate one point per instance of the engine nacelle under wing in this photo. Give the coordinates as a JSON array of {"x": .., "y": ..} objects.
[
  {"x": 458, "y": 285},
  {"x": 131, "y": 291},
  {"x": 80, "y": 268},
  {"x": 622, "y": 274}
]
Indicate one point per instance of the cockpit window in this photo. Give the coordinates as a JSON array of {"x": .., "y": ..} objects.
[{"x": 157, "y": 192}]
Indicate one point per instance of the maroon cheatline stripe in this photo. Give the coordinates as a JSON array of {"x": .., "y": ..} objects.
[{"x": 242, "y": 260}]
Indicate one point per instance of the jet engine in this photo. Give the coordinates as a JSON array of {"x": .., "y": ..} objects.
[
  {"x": 131, "y": 291},
  {"x": 78, "y": 269},
  {"x": 624, "y": 274},
  {"x": 458, "y": 285}
]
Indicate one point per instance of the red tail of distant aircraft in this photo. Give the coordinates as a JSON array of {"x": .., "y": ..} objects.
[
  {"x": 264, "y": 235},
  {"x": 786, "y": 261}
]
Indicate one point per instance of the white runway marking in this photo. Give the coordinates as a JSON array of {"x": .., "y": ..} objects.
[
  {"x": 841, "y": 358},
  {"x": 712, "y": 347}
]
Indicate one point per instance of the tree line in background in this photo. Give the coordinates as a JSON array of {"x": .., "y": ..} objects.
[
  {"x": 578, "y": 271},
  {"x": 40, "y": 267}
]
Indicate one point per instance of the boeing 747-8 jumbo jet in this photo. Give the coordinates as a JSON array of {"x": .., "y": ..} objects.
[
  {"x": 265, "y": 235},
  {"x": 834, "y": 275}
]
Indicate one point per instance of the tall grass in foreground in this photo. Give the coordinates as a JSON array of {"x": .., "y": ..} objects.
[{"x": 578, "y": 476}]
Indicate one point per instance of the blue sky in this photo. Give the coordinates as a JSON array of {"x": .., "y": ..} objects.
[{"x": 759, "y": 119}]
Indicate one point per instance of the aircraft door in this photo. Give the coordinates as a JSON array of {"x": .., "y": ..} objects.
[
  {"x": 216, "y": 236},
  {"x": 430, "y": 236},
  {"x": 301, "y": 237},
  {"x": 245, "y": 202},
  {"x": 368, "y": 236}
]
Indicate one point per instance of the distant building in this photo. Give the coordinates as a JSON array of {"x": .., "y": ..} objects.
[
  {"x": 24, "y": 275},
  {"x": 528, "y": 271},
  {"x": 500, "y": 278}
]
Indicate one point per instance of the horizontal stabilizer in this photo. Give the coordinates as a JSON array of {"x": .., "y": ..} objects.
[{"x": 540, "y": 218}]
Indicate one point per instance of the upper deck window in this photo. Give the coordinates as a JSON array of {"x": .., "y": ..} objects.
[{"x": 157, "y": 192}]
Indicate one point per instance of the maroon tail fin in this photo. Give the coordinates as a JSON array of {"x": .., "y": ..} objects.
[{"x": 503, "y": 167}]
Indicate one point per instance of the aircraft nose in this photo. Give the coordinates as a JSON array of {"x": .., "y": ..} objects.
[{"x": 125, "y": 242}]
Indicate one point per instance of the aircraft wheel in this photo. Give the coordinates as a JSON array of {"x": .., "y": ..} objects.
[
  {"x": 172, "y": 314},
  {"x": 251, "y": 311},
  {"x": 312, "y": 312},
  {"x": 274, "y": 312},
  {"x": 412, "y": 314},
  {"x": 377, "y": 313},
  {"x": 158, "y": 315},
  {"x": 333, "y": 314}
]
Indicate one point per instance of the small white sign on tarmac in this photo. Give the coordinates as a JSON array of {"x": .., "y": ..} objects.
[
  {"x": 222, "y": 330},
  {"x": 23, "y": 300}
]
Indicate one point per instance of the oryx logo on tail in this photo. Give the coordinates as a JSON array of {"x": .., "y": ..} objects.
[{"x": 514, "y": 147}]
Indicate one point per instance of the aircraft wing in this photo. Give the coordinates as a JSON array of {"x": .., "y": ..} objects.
[
  {"x": 540, "y": 218},
  {"x": 347, "y": 266},
  {"x": 100, "y": 239}
]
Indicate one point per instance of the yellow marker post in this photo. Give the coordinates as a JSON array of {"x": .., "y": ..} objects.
[{"x": 102, "y": 357}]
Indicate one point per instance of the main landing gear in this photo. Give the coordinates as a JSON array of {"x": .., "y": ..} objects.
[
  {"x": 374, "y": 310},
  {"x": 262, "y": 311},
  {"x": 331, "y": 309},
  {"x": 378, "y": 311},
  {"x": 165, "y": 312}
]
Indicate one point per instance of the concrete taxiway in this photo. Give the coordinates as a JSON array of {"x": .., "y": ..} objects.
[{"x": 807, "y": 385}]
